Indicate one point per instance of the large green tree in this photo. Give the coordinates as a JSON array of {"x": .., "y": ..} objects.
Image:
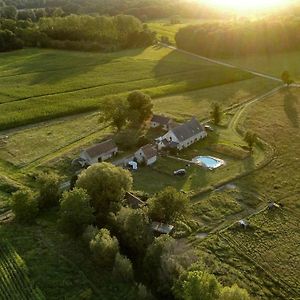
[
  {"x": 104, "y": 248},
  {"x": 115, "y": 112},
  {"x": 106, "y": 185},
  {"x": 134, "y": 230},
  {"x": 24, "y": 205},
  {"x": 197, "y": 285},
  {"x": 168, "y": 205},
  {"x": 162, "y": 265},
  {"x": 75, "y": 212},
  {"x": 140, "y": 108}
]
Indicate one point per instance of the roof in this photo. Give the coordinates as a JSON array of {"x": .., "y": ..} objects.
[
  {"x": 134, "y": 201},
  {"x": 149, "y": 151},
  {"x": 101, "y": 148},
  {"x": 188, "y": 130},
  {"x": 160, "y": 119},
  {"x": 162, "y": 228}
]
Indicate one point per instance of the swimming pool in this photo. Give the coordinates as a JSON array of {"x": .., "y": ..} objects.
[{"x": 209, "y": 162}]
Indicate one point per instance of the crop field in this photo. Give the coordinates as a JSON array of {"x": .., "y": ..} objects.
[
  {"x": 14, "y": 281},
  {"x": 39, "y": 85},
  {"x": 273, "y": 64},
  {"x": 273, "y": 243}
]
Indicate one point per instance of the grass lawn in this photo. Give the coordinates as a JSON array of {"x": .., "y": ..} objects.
[
  {"x": 155, "y": 178},
  {"x": 26, "y": 146},
  {"x": 273, "y": 64},
  {"x": 39, "y": 84}
]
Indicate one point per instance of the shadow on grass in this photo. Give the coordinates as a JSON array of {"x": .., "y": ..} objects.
[
  {"x": 290, "y": 107},
  {"x": 52, "y": 66}
]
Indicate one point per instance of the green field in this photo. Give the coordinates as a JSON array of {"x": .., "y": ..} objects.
[
  {"x": 14, "y": 281},
  {"x": 39, "y": 85},
  {"x": 273, "y": 64},
  {"x": 265, "y": 258}
]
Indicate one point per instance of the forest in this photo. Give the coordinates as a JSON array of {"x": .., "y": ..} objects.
[
  {"x": 238, "y": 38},
  {"x": 75, "y": 32}
]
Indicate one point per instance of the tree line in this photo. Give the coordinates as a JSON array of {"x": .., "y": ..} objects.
[
  {"x": 76, "y": 32},
  {"x": 238, "y": 38},
  {"x": 142, "y": 9}
]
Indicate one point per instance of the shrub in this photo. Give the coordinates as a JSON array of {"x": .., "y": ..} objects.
[{"x": 24, "y": 205}]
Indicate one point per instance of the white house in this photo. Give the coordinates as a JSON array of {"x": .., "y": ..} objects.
[
  {"x": 147, "y": 154},
  {"x": 99, "y": 152},
  {"x": 161, "y": 121},
  {"x": 183, "y": 136}
]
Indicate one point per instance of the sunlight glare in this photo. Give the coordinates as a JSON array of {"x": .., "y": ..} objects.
[{"x": 245, "y": 5}]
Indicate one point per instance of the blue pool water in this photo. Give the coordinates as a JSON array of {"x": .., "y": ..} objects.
[{"x": 209, "y": 162}]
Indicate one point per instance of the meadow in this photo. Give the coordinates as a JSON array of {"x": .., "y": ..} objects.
[
  {"x": 38, "y": 85},
  {"x": 264, "y": 258}
]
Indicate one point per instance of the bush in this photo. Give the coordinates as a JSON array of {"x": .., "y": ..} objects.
[
  {"x": 25, "y": 206},
  {"x": 89, "y": 233},
  {"x": 49, "y": 190}
]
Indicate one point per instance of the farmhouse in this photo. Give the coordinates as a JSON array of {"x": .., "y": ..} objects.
[
  {"x": 147, "y": 154},
  {"x": 99, "y": 152},
  {"x": 161, "y": 121},
  {"x": 183, "y": 136}
]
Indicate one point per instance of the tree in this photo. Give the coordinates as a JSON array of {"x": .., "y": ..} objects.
[
  {"x": 24, "y": 205},
  {"x": 89, "y": 233},
  {"x": 134, "y": 230},
  {"x": 122, "y": 270},
  {"x": 115, "y": 112},
  {"x": 234, "y": 293},
  {"x": 8, "y": 12},
  {"x": 250, "y": 138},
  {"x": 75, "y": 212},
  {"x": 216, "y": 113},
  {"x": 168, "y": 205},
  {"x": 140, "y": 108},
  {"x": 195, "y": 285},
  {"x": 161, "y": 265},
  {"x": 49, "y": 193},
  {"x": 286, "y": 78},
  {"x": 106, "y": 185},
  {"x": 104, "y": 248}
]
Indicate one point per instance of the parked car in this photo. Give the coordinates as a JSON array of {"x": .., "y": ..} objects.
[{"x": 180, "y": 172}]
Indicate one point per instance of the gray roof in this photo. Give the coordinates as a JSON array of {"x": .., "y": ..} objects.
[
  {"x": 162, "y": 228},
  {"x": 161, "y": 119},
  {"x": 188, "y": 130},
  {"x": 149, "y": 151},
  {"x": 102, "y": 148}
]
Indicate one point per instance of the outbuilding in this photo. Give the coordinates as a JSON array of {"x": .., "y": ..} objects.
[
  {"x": 147, "y": 154},
  {"x": 99, "y": 152}
]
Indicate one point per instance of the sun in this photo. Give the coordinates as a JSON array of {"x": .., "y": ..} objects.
[{"x": 247, "y": 5}]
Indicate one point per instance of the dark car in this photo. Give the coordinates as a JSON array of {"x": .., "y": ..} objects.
[{"x": 180, "y": 172}]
